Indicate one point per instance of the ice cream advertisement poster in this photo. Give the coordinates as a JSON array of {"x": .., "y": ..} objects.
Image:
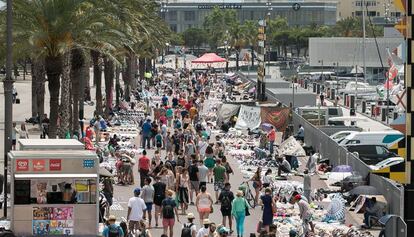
[{"x": 53, "y": 221}]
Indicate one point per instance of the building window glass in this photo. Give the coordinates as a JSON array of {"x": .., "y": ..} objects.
[
  {"x": 173, "y": 27},
  {"x": 368, "y": 3},
  {"x": 172, "y": 15},
  {"x": 189, "y": 16}
]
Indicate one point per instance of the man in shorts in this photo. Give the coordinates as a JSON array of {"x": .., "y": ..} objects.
[
  {"x": 202, "y": 173},
  {"x": 136, "y": 208},
  {"x": 169, "y": 208},
  {"x": 220, "y": 176},
  {"x": 194, "y": 178}
]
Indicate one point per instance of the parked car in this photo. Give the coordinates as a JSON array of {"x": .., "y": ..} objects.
[
  {"x": 339, "y": 136},
  {"x": 381, "y": 138},
  {"x": 387, "y": 163},
  {"x": 371, "y": 154}
]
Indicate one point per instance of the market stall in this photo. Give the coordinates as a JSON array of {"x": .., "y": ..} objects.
[{"x": 54, "y": 192}]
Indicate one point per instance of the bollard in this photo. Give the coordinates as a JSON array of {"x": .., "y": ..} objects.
[
  {"x": 364, "y": 106},
  {"x": 352, "y": 102},
  {"x": 306, "y": 84},
  {"x": 318, "y": 89},
  {"x": 344, "y": 98},
  {"x": 383, "y": 114},
  {"x": 373, "y": 110},
  {"x": 314, "y": 87},
  {"x": 333, "y": 94},
  {"x": 347, "y": 101}
]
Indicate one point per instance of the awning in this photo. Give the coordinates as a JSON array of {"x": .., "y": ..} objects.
[
  {"x": 209, "y": 58},
  {"x": 53, "y": 176}
]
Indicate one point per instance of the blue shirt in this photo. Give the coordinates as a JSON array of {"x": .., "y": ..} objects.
[
  {"x": 301, "y": 132},
  {"x": 105, "y": 231},
  {"x": 165, "y": 100},
  {"x": 146, "y": 127}
]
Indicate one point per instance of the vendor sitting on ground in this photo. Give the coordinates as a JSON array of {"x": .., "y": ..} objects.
[
  {"x": 284, "y": 166},
  {"x": 372, "y": 209},
  {"x": 301, "y": 134}
]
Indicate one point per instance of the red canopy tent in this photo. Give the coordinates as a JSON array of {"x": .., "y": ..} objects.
[{"x": 209, "y": 58}]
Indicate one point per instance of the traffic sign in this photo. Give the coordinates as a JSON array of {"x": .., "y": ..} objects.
[{"x": 296, "y": 6}]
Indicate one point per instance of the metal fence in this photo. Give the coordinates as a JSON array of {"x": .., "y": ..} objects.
[{"x": 338, "y": 155}]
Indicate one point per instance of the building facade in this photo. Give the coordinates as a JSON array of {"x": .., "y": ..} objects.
[
  {"x": 184, "y": 14},
  {"x": 379, "y": 10}
]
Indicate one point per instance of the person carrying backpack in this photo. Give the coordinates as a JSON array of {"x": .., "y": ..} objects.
[
  {"x": 189, "y": 229},
  {"x": 112, "y": 230},
  {"x": 169, "y": 208},
  {"x": 226, "y": 198}
]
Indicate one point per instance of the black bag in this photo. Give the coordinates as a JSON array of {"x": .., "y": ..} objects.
[
  {"x": 186, "y": 231},
  {"x": 168, "y": 210},
  {"x": 247, "y": 210},
  {"x": 17, "y": 101}
]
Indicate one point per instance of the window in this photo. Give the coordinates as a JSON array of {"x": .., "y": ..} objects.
[
  {"x": 396, "y": 14},
  {"x": 367, "y": 3},
  {"x": 173, "y": 27},
  {"x": 172, "y": 15},
  {"x": 381, "y": 150},
  {"x": 189, "y": 16},
  {"x": 358, "y": 13},
  {"x": 38, "y": 191}
]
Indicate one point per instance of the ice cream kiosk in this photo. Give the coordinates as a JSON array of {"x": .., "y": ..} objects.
[{"x": 54, "y": 192}]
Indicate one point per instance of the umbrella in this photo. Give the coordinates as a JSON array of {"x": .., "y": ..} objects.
[
  {"x": 342, "y": 168},
  {"x": 266, "y": 126},
  {"x": 105, "y": 172},
  {"x": 364, "y": 190},
  {"x": 336, "y": 209}
]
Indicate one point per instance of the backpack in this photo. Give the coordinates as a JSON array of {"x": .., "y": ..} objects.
[
  {"x": 113, "y": 231},
  {"x": 186, "y": 231},
  {"x": 167, "y": 210},
  {"x": 225, "y": 201}
]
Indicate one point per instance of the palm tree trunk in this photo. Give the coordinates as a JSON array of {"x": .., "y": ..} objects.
[
  {"x": 38, "y": 87},
  {"x": 65, "y": 98},
  {"x": 252, "y": 49},
  {"x": 141, "y": 68},
  {"x": 117, "y": 85},
  {"x": 77, "y": 63},
  {"x": 237, "y": 60},
  {"x": 97, "y": 78},
  {"x": 109, "y": 84},
  {"x": 53, "y": 66}
]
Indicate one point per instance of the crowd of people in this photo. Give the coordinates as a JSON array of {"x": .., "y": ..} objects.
[{"x": 189, "y": 167}]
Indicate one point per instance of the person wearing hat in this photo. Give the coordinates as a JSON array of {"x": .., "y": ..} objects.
[
  {"x": 222, "y": 231},
  {"x": 136, "y": 209},
  {"x": 169, "y": 208},
  {"x": 304, "y": 213},
  {"x": 112, "y": 229},
  {"x": 189, "y": 229},
  {"x": 204, "y": 231}
]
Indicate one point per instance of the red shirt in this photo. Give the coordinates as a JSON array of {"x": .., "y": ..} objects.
[
  {"x": 188, "y": 106},
  {"x": 272, "y": 135},
  {"x": 163, "y": 119},
  {"x": 144, "y": 163},
  {"x": 89, "y": 133}
]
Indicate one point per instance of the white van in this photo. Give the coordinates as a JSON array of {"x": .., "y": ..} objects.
[{"x": 385, "y": 138}]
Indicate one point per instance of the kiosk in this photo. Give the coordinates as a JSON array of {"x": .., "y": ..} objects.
[{"x": 54, "y": 192}]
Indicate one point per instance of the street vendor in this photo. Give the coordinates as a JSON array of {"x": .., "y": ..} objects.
[
  {"x": 372, "y": 209},
  {"x": 284, "y": 166}
]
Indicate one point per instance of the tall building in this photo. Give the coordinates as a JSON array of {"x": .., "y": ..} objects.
[
  {"x": 379, "y": 10},
  {"x": 183, "y": 14}
]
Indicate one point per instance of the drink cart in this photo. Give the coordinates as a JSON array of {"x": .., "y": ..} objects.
[{"x": 54, "y": 192}]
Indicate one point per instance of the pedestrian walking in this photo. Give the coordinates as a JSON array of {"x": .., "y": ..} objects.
[
  {"x": 204, "y": 203},
  {"x": 148, "y": 196},
  {"x": 23, "y": 134},
  {"x": 159, "y": 196},
  {"x": 112, "y": 229},
  {"x": 257, "y": 183},
  {"x": 143, "y": 167},
  {"x": 202, "y": 173},
  {"x": 226, "y": 198},
  {"x": 239, "y": 210},
  {"x": 193, "y": 172},
  {"x": 143, "y": 230},
  {"x": 169, "y": 208},
  {"x": 229, "y": 170},
  {"x": 146, "y": 133},
  {"x": 209, "y": 162},
  {"x": 307, "y": 185},
  {"x": 269, "y": 205},
  {"x": 220, "y": 176},
  {"x": 189, "y": 229},
  {"x": 183, "y": 186},
  {"x": 136, "y": 208}
]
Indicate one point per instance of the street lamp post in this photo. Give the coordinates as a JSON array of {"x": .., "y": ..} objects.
[
  {"x": 269, "y": 13},
  {"x": 8, "y": 101},
  {"x": 321, "y": 62},
  {"x": 337, "y": 82}
]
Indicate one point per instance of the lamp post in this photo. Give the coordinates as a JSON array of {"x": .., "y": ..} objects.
[
  {"x": 321, "y": 62},
  {"x": 226, "y": 42},
  {"x": 8, "y": 102},
  {"x": 337, "y": 82},
  {"x": 269, "y": 13}
]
